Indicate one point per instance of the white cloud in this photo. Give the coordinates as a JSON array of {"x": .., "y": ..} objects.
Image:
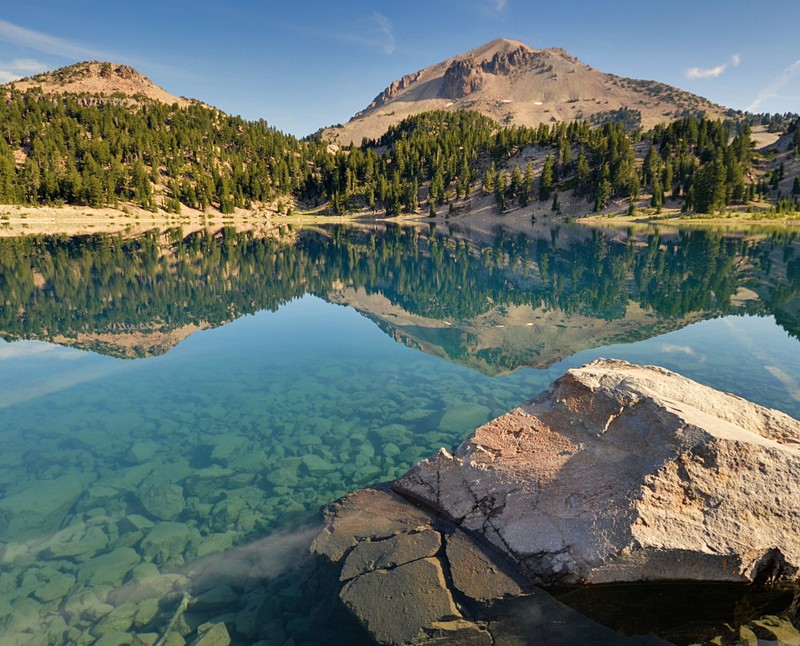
[
  {"x": 389, "y": 44},
  {"x": 41, "y": 42},
  {"x": 384, "y": 38},
  {"x": 19, "y": 67},
  {"x": 25, "y": 349},
  {"x": 772, "y": 89},
  {"x": 712, "y": 72},
  {"x": 498, "y": 5}
]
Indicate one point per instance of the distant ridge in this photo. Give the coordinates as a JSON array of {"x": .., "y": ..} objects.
[
  {"x": 99, "y": 79},
  {"x": 515, "y": 84}
]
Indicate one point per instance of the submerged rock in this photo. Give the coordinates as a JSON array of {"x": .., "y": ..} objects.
[{"x": 627, "y": 473}]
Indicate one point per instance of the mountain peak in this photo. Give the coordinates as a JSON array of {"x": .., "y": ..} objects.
[
  {"x": 98, "y": 79},
  {"x": 493, "y": 48},
  {"x": 515, "y": 84}
]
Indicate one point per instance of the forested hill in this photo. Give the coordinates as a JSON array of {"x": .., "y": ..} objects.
[
  {"x": 64, "y": 148},
  {"x": 59, "y": 145}
]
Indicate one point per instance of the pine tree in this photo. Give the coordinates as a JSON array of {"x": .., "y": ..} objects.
[
  {"x": 500, "y": 185},
  {"x": 516, "y": 183},
  {"x": 657, "y": 200},
  {"x": 488, "y": 179},
  {"x": 546, "y": 181},
  {"x": 583, "y": 174}
]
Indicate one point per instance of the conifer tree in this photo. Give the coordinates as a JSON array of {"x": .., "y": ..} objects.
[{"x": 546, "y": 180}]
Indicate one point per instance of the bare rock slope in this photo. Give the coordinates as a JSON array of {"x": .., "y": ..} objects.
[
  {"x": 514, "y": 83},
  {"x": 621, "y": 472}
]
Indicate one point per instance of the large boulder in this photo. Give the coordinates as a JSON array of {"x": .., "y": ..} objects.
[{"x": 621, "y": 472}]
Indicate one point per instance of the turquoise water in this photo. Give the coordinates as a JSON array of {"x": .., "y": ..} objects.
[{"x": 201, "y": 468}]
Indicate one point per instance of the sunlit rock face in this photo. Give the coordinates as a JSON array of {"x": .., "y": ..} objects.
[{"x": 621, "y": 472}]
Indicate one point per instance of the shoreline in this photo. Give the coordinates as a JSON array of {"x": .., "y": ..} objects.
[{"x": 16, "y": 220}]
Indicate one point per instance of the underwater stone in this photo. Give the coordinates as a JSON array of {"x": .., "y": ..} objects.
[
  {"x": 174, "y": 639},
  {"x": 40, "y": 507},
  {"x": 25, "y": 615},
  {"x": 317, "y": 465},
  {"x": 118, "y": 620},
  {"x": 85, "y": 604},
  {"x": 283, "y": 476},
  {"x": 77, "y": 544},
  {"x": 134, "y": 523},
  {"x": 56, "y": 587},
  {"x": 212, "y": 635},
  {"x": 155, "y": 587},
  {"x": 109, "y": 568},
  {"x": 143, "y": 451},
  {"x": 130, "y": 479},
  {"x": 229, "y": 447},
  {"x": 167, "y": 540},
  {"x": 417, "y": 414},
  {"x": 118, "y": 638},
  {"x": 391, "y": 432},
  {"x": 212, "y": 543},
  {"x": 463, "y": 418},
  {"x": 145, "y": 570},
  {"x": 163, "y": 501},
  {"x": 367, "y": 473},
  {"x": 204, "y": 483},
  {"x": 221, "y": 595},
  {"x": 391, "y": 450}
]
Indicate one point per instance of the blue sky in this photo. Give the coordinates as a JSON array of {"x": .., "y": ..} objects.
[{"x": 305, "y": 65}]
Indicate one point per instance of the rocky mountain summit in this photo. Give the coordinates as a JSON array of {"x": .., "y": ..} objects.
[
  {"x": 516, "y": 84},
  {"x": 617, "y": 473},
  {"x": 99, "y": 79}
]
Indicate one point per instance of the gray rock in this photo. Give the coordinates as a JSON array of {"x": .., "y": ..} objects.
[
  {"x": 626, "y": 473},
  {"x": 476, "y": 572},
  {"x": 382, "y": 601},
  {"x": 396, "y": 550},
  {"x": 367, "y": 514}
]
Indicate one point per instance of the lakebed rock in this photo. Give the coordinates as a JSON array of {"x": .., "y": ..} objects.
[{"x": 617, "y": 473}]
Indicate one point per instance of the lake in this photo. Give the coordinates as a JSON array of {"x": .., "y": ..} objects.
[{"x": 176, "y": 407}]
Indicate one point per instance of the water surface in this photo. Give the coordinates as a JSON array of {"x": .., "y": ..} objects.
[{"x": 175, "y": 409}]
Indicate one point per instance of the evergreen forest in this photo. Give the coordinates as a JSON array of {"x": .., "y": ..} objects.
[{"x": 68, "y": 149}]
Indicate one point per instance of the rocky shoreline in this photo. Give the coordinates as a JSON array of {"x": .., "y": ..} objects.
[{"x": 617, "y": 473}]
